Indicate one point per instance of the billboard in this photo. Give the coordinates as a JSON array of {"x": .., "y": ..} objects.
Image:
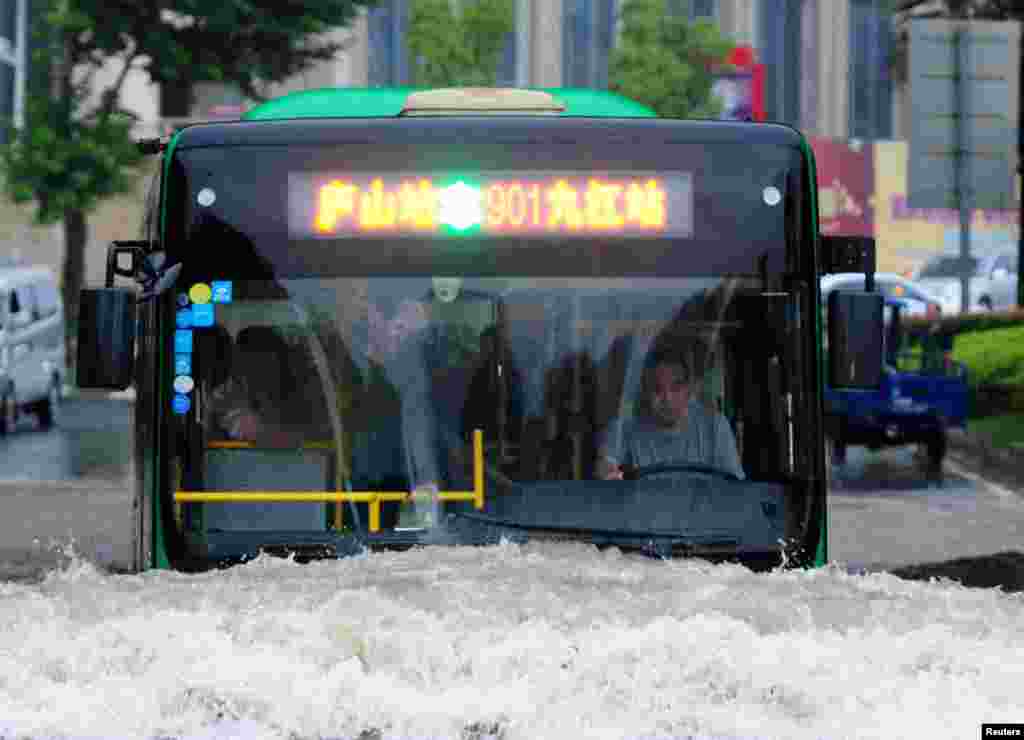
[
  {"x": 845, "y": 187},
  {"x": 905, "y": 237},
  {"x": 740, "y": 86},
  {"x": 736, "y": 91}
]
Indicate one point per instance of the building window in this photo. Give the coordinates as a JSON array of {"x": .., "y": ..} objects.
[
  {"x": 780, "y": 42},
  {"x": 871, "y": 43},
  {"x": 388, "y": 61},
  {"x": 693, "y": 9},
  {"x": 506, "y": 76},
  {"x": 6, "y": 97},
  {"x": 588, "y": 34},
  {"x": 9, "y": 24},
  {"x": 8, "y": 62}
]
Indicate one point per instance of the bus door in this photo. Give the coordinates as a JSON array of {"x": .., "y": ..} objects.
[{"x": 266, "y": 421}]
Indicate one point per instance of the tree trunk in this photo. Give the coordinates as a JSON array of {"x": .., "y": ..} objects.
[{"x": 76, "y": 235}]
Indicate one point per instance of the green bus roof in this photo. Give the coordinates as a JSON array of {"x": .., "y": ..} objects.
[{"x": 387, "y": 102}]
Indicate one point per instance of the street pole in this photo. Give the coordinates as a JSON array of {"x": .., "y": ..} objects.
[
  {"x": 1020, "y": 176},
  {"x": 22, "y": 61},
  {"x": 964, "y": 201}
]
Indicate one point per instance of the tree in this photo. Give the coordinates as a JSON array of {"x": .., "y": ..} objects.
[
  {"x": 75, "y": 149},
  {"x": 665, "y": 62},
  {"x": 457, "y": 43}
]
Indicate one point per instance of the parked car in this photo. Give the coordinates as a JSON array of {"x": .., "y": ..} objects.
[
  {"x": 916, "y": 300},
  {"x": 32, "y": 352},
  {"x": 993, "y": 282}
]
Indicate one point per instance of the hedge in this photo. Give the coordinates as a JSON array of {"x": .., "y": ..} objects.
[{"x": 969, "y": 322}]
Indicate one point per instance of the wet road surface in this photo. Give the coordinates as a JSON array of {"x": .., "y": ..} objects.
[{"x": 93, "y": 440}]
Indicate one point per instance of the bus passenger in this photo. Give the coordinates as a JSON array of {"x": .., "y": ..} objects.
[
  {"x": 389, "y": 382},
  {"x": 433, "y": 369},
  {"x": 409, "y": 339},
  {"x": 253, "y": 404},
  {"x": 395, "y": 444},
  {"x": 673, "y": 426}
]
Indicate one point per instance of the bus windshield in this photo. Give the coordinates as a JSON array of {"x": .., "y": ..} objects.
[{"x": 633, "y": 378}]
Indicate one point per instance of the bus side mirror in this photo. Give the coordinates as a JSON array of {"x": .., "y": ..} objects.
[
  {"x": 106, "y": 338},
  {"x": 855, "y": 330}
]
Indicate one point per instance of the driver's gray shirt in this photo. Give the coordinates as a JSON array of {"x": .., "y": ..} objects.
[{"x": 705, "y": 439}]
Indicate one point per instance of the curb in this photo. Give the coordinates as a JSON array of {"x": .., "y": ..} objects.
[
  {"x": 74, "y": 392},
  {"x": 976, "y": 453},
  {"x": 31, "y": 487}
]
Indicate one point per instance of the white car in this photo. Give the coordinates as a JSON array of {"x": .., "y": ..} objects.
[
  {"x": 919, "y": 301},
  {"x": 993, "y": 281},
  {"x": 32, "y": 351}
]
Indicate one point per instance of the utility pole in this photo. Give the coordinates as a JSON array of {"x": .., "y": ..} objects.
[
  {"x": 965, "y": 200},
  {"x": 1020, "y": 176}
]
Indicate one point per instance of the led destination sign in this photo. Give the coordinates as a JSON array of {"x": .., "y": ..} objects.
[{"x": 491, "y": 204}]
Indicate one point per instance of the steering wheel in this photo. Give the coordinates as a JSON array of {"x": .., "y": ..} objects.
[{"x": 642, "y": 471}]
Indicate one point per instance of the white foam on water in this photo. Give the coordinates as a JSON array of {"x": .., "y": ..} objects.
[{"x": 512, "y": 642}]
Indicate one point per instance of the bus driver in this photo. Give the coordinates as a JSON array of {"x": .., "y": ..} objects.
[{"x": 672, "y": 427}]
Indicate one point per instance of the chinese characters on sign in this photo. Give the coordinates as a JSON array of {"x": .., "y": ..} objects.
[{"x": 495, "y": 205}]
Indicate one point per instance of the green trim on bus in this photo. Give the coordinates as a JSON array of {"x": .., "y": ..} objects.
[
  {"x": 157, "y": 487},
  {"x": 159, "y": 558},
  {"x": 387, "y": 102},
  {"x": 168, "y": 156},
  {"x": 821, "y": 556}
]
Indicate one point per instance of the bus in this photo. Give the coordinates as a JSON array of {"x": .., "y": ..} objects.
[{"x": 369, "y": 319}]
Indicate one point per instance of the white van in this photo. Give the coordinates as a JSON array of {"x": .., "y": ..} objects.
[{"x": 32, "y": 352}]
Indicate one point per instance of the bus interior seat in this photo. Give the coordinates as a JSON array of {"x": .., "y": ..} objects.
[
  {"x": 311, "y": 380},
  {"x": 495, "y": 381},
  {"x": 712, "y": 377},
  {"x": 256, "y": 469},
  {"x": 570, "y": 404},
  {"x": 260, "y": 338},
  {"x": 267, "y": 470},
  {"x": 612, "y": 379}
]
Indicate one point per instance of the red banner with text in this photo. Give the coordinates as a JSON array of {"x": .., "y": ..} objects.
[{"x": 846, "y": 180}]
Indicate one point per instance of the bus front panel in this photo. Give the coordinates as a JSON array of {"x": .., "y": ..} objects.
[{"x": 429, "y": 338}]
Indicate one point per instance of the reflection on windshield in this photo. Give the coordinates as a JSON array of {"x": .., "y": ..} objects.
[{"x": 569, "y": 381}]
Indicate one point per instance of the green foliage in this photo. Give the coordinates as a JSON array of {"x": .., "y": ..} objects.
[
  {"x": 1002, "y": 431},
  {"x": 665, "y": 61},
  {"x": 971, "y": 322},
  {"x": 992, "y": 356},
  {"x": 67, "y": 164},
  {"x": 452, "y": 46},
  {"x": 242, "y": 42}
]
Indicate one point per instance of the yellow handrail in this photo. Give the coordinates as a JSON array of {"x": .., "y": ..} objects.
[
  {"x": 234, "y": 444},
  {"x": 373, "y": 498}
]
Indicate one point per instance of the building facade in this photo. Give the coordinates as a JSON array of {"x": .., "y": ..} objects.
[
  {"x": 828, "y": 62},
  {"x": 14, "y": 59}
]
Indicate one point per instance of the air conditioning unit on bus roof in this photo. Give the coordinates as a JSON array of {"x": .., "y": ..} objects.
[{"x": 493, "y": 100}]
